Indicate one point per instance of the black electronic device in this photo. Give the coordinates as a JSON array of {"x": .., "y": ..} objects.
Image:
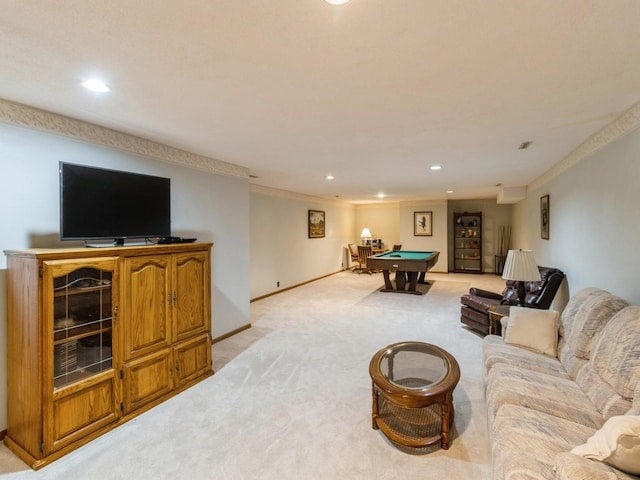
[
  {"x": 101, "y": 204},
  {"x": 168, "y": 240}
]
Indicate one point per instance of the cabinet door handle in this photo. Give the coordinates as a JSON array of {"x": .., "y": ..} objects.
[
  {"x": 174, "y": 298},
  {"x": 169, "y": 299}
]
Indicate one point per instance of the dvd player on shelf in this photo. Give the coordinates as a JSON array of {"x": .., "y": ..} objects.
[{"x": 166, "y": 240}]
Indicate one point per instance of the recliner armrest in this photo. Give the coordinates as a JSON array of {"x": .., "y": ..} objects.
[{"x": 485, "y": 293}]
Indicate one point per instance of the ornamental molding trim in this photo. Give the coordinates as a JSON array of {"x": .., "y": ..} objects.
[
  {"x": 625, "y": 123},
  {"x": 37, "y": 119}
]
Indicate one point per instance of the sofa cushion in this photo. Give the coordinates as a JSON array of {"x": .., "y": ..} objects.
[
  {"x": 616, "y": 357},
  {"x": 495, "y": 351},
  {"x": 616, "y": 443},
  {"x": 571, "y": 364},
  {"x": 534, "y": 329},
  {"x": 584, "y": 317},
  {"x": 602, "y": 395},
  {"x": 560, "y": 397},
  {"x": 525, "y": 442},
  {"x": 612, "y": 375}
]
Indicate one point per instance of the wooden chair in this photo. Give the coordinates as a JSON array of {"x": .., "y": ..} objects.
[
  {"x": 363, "y": 253},
  {"x": 353, "y": 252}
]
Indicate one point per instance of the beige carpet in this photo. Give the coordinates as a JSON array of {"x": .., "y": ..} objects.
[{"x": 291, "y": 397}]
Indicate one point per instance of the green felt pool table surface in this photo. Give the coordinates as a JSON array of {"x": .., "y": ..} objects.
[
  {"x": 407, "y": 264},
  {"x": 407, "y": 255}
]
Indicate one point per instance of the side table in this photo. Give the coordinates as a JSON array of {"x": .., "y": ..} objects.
[
  {"x": 412, "y": 388},
  {"x": 496, "y": 312}
]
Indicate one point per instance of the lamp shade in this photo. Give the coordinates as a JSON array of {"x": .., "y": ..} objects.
[
  {"x": 521, "y": 266},
  {"x": 365, "y": 233}
]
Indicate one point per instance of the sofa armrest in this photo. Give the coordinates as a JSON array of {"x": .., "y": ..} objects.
[
  {"x": 570, "y": 467},
  {"x": 485, "y": 293}
]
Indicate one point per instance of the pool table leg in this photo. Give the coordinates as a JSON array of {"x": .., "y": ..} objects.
[
  {"x": 387, "y": 280},
  {"x": 413, "y": 279}
]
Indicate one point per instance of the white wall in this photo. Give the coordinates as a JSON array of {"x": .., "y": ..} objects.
[
  {"x": 393, "y": 223},
  {"x": 594, "y": 221},
  {"x": 204, "y": 205},
  {"x": 281, "y": 250},
  {"x": 438, "y": 239},
  {"x": 382, "y": 220}
]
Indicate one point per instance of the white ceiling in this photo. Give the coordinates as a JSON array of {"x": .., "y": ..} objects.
[{"x": 373, "y": 92}]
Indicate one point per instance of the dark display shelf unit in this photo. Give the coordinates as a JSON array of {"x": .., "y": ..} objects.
[{"x": 467, "y": 244}]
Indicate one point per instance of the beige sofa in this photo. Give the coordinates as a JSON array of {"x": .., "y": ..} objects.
[{"x": 548, "y": 412}]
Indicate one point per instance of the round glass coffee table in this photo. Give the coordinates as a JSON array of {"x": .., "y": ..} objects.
[{"x": 412, "y": 391}]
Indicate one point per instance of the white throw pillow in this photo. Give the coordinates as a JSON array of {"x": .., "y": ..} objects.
[
  {"x": 533, "y": 329},
  {"x": 617, "y": 443}
]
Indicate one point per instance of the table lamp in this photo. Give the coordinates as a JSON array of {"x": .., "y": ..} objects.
[
  {"x": 365, "y": 235},
  {"x": 520, "y": 266}
]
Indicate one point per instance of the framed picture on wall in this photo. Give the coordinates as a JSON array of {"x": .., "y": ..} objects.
[
  {"x": 316, "y": 224},
  {"x": 422, "y": 224},
  {"x": 544, "y": 217}
]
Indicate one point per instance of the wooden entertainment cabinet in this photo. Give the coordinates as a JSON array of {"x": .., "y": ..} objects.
[{"x": 96, "y": 336}]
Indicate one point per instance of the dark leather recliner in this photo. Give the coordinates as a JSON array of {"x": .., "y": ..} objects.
[{"x": 475, "y": 305}]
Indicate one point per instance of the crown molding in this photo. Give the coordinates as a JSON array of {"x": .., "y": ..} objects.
[
  {"x": 625, "y": 123},
  {"x": 37, "y": 119}
]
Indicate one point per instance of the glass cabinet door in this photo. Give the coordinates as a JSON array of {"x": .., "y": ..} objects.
[{"x": 82, "y": 323}]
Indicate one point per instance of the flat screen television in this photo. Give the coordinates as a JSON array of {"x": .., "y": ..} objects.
[{"x": 102, "y": 204}]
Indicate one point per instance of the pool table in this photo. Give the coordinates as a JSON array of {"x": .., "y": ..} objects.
[{"x": 407, "y": 265}]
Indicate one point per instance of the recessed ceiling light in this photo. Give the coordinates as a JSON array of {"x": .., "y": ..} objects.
[
  {"x": 449, "y": 191},
  {"x": 329, "y": 177},
  {"x": 336, "y": 2},
  {"x": 381, "y": 195},
  {"x": 436, "y": 167},
  {"x": 96, "y": 85}
]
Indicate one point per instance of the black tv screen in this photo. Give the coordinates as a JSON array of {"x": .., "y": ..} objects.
[{"x": 97, "y": 203}]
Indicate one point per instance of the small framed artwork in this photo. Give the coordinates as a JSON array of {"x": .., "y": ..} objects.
[
  {"x": 316, "y": 224},
  {"x": 544, "y": 217},
  {"x": 422, "y": 224}
]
